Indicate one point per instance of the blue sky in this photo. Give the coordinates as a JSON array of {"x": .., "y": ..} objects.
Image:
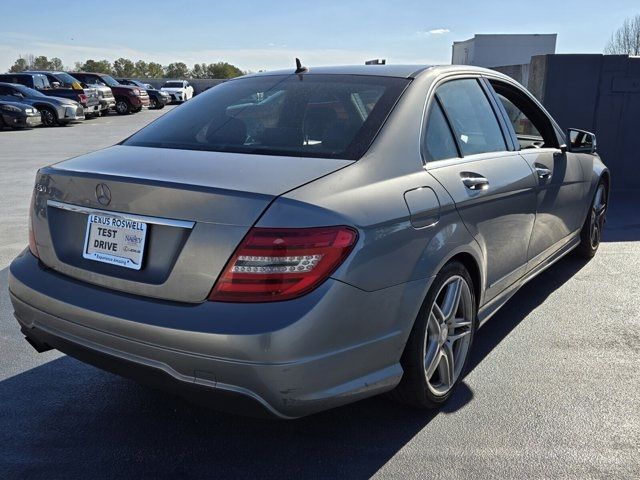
[{"x": 266, "y": 35}]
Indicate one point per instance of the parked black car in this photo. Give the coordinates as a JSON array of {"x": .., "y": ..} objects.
[
  {"x": 54, "y": 110},
  {"x": 103, "y": 94},
  {"x": 88, "y": 98},
  {"x": 157, "y": 98},
  {"x": 18, "y": 115}
]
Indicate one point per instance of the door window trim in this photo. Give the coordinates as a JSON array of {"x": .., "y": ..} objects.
[
  {"x": 432, "y": 95},
  {"x": 528, "y": 97}
]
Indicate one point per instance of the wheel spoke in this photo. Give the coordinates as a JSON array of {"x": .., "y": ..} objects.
[
  {"x": 446, "y": 366},
  {"x": 452, "y": 298},
  {"x": 431, "y": 361},
  {"x": 457, "y": 336},
  {"x": 460, "y": 323},
  {"x": 437, "y": 313}
]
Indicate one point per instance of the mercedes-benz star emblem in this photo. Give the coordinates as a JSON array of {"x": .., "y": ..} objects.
[{"x": 103, "y": 194}]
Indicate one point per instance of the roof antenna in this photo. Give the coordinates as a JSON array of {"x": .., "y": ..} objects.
[{"x": 299, "y": 68}]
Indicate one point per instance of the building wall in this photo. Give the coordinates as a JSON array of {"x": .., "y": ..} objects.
[
  {"x": 599, "y": 93},
  {"x": 501, "y": 50}
]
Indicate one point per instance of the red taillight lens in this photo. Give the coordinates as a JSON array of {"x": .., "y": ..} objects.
[
  {"x": 32, "y": 239},
  {"x": 282, "y": 263},
  {"x": 83, "y": 98}
]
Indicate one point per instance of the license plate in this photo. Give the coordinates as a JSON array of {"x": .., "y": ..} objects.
[{"x": 115, "y": 240}]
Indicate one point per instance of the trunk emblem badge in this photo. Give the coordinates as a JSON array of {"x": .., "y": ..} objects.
[{"x": 103, "y": 194}]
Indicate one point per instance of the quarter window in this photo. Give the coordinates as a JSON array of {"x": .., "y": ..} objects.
[
  {"x": 472, "y": 118},
  {"x": 438, "y": 140}
]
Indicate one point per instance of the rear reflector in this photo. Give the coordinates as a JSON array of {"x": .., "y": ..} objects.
[
  {"x": 274, "y": 264},
  {"x": 32, "y": 239}
]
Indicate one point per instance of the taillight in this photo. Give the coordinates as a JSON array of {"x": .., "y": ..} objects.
[
  {"x": 274, "y": 264},
  {"x": 83, "y": 98},
  {"x": 32, "y": 239}
]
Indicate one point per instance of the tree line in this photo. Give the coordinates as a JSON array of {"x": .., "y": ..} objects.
[{"x": 123, "y": 67}]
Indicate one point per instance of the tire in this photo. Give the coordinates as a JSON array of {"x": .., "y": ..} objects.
[
  {"x": 431, "y": 347},
  {"x": 104, "y": 113},
  {"x": 153, "y": 104},
  {"x": 162, "y": 105},
  {"x": 136, "y": 110},
  {"x": 49, "y": 117},
  {"x": 123, "y": 107},
  {"x": 591, "y": 232}
]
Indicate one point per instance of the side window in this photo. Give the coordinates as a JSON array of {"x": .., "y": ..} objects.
[
  {"x": 531, "y": 125},
  {"x": 472, "y": 118},
  {"x": 438, "y": 140},
  {"x": 5, "y": 90}
]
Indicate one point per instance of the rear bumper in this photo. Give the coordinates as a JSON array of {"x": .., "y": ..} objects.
[
  {"x": 92, "y": 109},
  {"x": 287, "y": 359},
  {"x": 107, "y": 103}
]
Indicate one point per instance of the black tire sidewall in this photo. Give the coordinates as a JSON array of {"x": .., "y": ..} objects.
[
  {"x": 54, "y": 117},
  {"x": 123, "y": 101},
  {"x": 585, "y": 249}
]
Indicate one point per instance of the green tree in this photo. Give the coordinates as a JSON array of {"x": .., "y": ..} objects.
[
  {"x": 176, "y": 70},
  {"x": 123, "y": 67},
  {"x": 223, "y": 70},
  {"x": 141, "y": 69},
  {"x": 41, "y": 63},
  {"x": 56, "y": 64},
  {"x": 199, "y": 71},
  {"x": 20, "y": 65},
  {"x": 155, "y": 70},
  {"x": 100, "y": 66}
]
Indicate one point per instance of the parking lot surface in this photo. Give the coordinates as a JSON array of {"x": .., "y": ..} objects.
[{"x": 552, "y": 389}]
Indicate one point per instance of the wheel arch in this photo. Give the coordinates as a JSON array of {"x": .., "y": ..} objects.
[{"x": 473, "y": 268}]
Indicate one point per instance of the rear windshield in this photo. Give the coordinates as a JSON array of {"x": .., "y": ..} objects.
[
  {"x": 335, "y": 116},
  {"x": 173, "y": 84}
]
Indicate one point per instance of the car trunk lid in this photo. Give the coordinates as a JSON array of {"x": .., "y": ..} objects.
[{"x": 197, "y": 207}]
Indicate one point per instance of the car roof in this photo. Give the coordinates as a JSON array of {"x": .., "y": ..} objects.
[
  {"x": 90, "y": 73},
  {"x": 21, "y": 74},
  {"x": 401, "y": 71}
]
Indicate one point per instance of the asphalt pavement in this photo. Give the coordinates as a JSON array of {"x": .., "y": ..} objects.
[{"x": 553, "y": 389}]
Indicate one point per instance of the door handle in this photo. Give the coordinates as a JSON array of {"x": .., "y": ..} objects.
[
  {"x": 543, "y": 172},
  {"x": 474, "y": 181}
]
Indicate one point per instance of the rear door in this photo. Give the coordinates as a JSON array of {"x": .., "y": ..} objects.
[
  {"x": 560, "y": 176},
  {"x": 492, "y": 186}
]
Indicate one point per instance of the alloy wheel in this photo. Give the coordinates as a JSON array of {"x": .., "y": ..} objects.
[
  {"x": 122, "y": 107},
  {"x": 48, "y": 117},
  {"x": 448, "y": 338},
  {"x": 598, "y": 211}
]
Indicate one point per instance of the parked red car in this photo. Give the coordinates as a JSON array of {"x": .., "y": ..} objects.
[{"x": 128, "y": 99}]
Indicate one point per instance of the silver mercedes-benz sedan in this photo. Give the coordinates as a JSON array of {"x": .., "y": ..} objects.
[{"x": 290, "y": 242}]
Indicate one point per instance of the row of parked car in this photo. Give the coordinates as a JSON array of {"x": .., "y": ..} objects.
[{"x": 32, "y": 98}]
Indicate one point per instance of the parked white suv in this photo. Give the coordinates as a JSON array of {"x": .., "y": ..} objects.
[{"x": 180, "y": 90}]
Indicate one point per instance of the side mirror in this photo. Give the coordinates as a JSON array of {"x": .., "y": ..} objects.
[{"x": 580, "y": 141}]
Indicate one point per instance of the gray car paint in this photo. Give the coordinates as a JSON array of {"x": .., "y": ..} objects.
[{"x": 341, "y": 342}]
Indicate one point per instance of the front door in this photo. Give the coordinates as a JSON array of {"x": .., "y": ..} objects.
[{"x": 560, "y": 177}]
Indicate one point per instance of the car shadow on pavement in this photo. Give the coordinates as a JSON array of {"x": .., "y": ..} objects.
[
  {"x": 623, "y": 217},
  {"x": 67, "y": 419}
]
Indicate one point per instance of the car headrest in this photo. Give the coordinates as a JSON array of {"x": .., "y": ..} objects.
[{"x": 230, "y": 132}]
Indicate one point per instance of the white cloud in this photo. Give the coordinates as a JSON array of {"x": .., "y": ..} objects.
[{"x": 435, "y": 31}]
